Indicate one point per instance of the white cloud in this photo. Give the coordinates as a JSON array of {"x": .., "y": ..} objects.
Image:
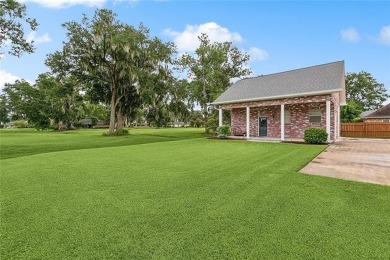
[
  {"x": 187, "y": 40},
  {"x": 38, "y": 39},
  {"x": 66, "y": 3},
  {"x": 6, "y": 77},
  {"x": 258, "y": 54},
  {"x": 350, "y": 35},
  {"x": 132, "y": 3},
  {"x": 384, "y": 35}
]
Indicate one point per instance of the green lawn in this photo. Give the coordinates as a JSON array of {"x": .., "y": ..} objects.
[
  {"x": 16, "y": 143},
  {"x": 172, "y": 194}
]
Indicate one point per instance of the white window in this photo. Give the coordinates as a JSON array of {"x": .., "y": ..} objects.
[
  {"x": 287, "y": 117},
  {"x": 314, "y": 115}
]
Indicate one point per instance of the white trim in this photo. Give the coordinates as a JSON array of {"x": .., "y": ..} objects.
[
  {"x": 278, "y": 97},
  {"x": 282, "y": 122},
  {"x": 328, "y": 119},
  {"x": 220, "y": 117},
  {"x": 335, "y": 131},
  {"x": 248, "y": 120},
  {"x": 339, "y": 122}
]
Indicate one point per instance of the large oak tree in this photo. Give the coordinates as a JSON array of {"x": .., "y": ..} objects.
[{"x": 111, "y": 57}]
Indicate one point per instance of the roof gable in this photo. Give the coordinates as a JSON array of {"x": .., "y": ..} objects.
[{"x": 313, "y": 80}]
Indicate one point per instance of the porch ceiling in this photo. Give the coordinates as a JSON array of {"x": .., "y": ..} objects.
[{"x": 286, "y": 101}]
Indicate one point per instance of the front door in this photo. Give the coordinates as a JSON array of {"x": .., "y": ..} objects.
[{"x": 262, "y": 126}]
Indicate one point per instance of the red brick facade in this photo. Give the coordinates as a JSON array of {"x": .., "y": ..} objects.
[{"x": 299, "y": 115}]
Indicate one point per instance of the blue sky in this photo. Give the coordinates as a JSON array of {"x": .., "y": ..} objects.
[{"x": 279, "y": 35}]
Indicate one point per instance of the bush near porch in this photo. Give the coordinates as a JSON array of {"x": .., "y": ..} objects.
[{"x": 315, "y": 136}]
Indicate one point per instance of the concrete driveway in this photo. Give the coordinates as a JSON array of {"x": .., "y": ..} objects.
[{"x": 356, "y": 159}]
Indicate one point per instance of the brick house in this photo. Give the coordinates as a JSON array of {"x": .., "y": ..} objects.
[
  {"x": 283, "y": 105},
  {"x": 380, "y": 115}
]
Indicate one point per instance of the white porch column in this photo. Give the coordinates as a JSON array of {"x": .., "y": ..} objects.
[
  {"x": 335, "y": 126},
  {"x": 328, "y": 119},
  {"x": 220, "y": 117},
  {"x": 282, "y": 122},
  {"x": 339, "y": 122},
  {"x": 248, "y": 120}
]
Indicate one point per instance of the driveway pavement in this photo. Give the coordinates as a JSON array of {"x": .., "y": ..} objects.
[{"x": 356, "y": 159}]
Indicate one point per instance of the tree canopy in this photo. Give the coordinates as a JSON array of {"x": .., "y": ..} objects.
[
  {"x": 350, "y": 112},
  {"x": 12, "y": 17},
  {"x": 212, "y": 68},
  {"x": 363, "y": 89},
  {"x": 111, "y": 57},
  {"x": 49, "y": 100},
  {"x": 105, "y": 63}
]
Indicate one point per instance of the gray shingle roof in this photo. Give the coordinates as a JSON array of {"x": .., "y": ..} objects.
[
  {"x": 383, "y": 112},
  {"x": 300, "y": 82},
  {"x": 366, "y": 113}
]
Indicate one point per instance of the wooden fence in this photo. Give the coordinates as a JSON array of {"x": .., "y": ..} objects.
[{"x": 366, "y": 129}]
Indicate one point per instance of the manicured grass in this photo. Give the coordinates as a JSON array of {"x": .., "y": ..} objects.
[
  {"x": 22, "y": 142},
  {"x": 187, "y": 199}
]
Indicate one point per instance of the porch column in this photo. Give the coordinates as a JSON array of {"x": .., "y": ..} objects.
[
  {"x": 282, "y": 122},
  {"x": 248, "y": 122},
  {"x": 328, "y": 119},
  {"x": 335, "y": 126},
  {"x": 338, "y": 123},
  {"x": 220, "y": 117}
]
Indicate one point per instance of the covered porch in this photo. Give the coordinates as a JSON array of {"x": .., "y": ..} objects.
[{"x": 282, "y": 120}]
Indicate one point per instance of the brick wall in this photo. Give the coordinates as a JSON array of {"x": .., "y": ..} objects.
[{"x": 299, "y": 111}]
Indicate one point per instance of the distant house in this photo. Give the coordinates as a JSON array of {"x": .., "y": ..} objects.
[
  {"x": 366, "y": 113},
  {"x": 283, "y": 105},
  {"x": 177, "y": 124},
  {"x": 86, "y": 122},
  {"x": 380, "y": 115}
]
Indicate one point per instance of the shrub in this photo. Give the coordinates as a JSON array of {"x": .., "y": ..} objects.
[
  {"x": 212, "y": 126},
  {"x": 223, "y": 131},
  {"x": 21, "y": 124},
  {"x": 315, "y": 136},
  {"x": 78, "y": 124},
  {"x": 198, "y": 122},
  {"x": 357, "y": 119},
  {"x": 123, "y": 131}
]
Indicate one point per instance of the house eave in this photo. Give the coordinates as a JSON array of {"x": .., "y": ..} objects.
[
  {"x": 377, "y": 117},
  {"x": 278, "y": 97}
]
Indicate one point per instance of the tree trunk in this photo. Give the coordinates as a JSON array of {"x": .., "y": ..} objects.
[
  {"x": 121, "y": 121},
  {"x": 204, "y": 105},
  {"x": 112, "y": 114},
  {"x": 205, "y": 116}
]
